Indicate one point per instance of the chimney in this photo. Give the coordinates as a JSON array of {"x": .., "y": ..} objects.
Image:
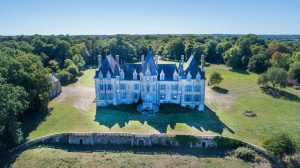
[
  {"x": 117, "y": 60},
  {"x": 142, "y": 59},
  {"x": 202, "y": 62},
  {"x": 182, "y": 59},
  {"x": 156, "y": 60},
  {"x": 99, "y": 60}
]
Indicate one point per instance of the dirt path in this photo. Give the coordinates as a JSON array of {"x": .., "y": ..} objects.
[
  {"x": 79, "y": 96},
  {"x": 219, "y": 101}
]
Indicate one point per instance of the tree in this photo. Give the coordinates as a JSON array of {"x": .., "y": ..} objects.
[
  {"x": 64, "y": 76},
  {"x": 54, "y": 65},
  {"x": 27, "y": 71},
  {"x": 78, "y": 61},
  {"x": 232, "y": 57},
  {"x": 215, "y": 78},
  {"x": 295, "y": 71},
  {"x": 211, "y": 53},
  {"x": 273, "y": 76},
  {"x": 176, "y": 49},
  {"x": 281, "y": 60},
  {"x": 258, "y": 63},
  {"x": 280, "y": 145},
  {"x": 13, "y": 102}
]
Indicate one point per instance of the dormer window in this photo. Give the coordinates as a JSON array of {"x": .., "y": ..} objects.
[
  {"x": 175, "y": 76},
  {"x": 100, "y": 75},
  {"x": 189, "y": 76},
  {"x": 134, "y": 75},
  {"x": 108, "y": 75},
  {"x": 198, "y": 76},
  {"x": 122, "y": 75},
  {"x": 162, "y": 75},
  {"x": 141, "y": 76}
]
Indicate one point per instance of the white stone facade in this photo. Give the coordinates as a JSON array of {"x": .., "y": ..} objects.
[{"x": 188, "y": 92}]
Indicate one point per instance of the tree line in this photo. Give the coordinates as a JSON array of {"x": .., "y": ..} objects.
[{"x": 26, "y": 62}]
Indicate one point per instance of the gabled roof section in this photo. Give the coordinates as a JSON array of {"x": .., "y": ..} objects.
[
  {"x": 168, "y": 70},
  {"x": 129, "y": 69},
  {"x": 192, "y": 67},
  {"x": 149, "y": 61},
  {"x": 109, "y": 65}
]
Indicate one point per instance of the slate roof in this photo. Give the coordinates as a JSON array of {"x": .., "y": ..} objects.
[
  {"x": 168, "y": 70},
  {"x": 192, "y": 67},
  {"x": 149, "y": 61},
  {"x": 110, "y": 65},
  {"x": 129, "y": 69}
]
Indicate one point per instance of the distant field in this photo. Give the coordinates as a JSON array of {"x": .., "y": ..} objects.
[
  {"x": 49, "y": 157},
  {"x": 74, "y": 110}
]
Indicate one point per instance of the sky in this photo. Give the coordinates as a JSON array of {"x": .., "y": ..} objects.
[{"x": 97, "y": 17}]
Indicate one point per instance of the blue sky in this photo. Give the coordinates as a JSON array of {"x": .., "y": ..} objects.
[{"x": 149, "y": 17}]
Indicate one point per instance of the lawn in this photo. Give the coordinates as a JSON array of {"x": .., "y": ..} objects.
[
  {"x": 51, "y": 157},
  {"x": 74, "y": 110}
]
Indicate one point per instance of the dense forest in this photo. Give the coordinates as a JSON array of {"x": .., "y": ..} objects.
[{"x": 26, "y": 61}]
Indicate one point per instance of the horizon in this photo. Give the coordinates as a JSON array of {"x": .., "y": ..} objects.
[{"x": 149, "y": 17}]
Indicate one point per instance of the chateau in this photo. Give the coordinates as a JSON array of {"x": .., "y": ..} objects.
[{"x": 151, "y": 82}]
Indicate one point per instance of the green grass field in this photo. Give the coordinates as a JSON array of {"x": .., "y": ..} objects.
[
  {"x": 223, "y": 114},
  {"x": 50, "y": 157}
]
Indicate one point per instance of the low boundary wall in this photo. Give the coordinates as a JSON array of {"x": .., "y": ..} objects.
[{"x": 128, "y": 139}]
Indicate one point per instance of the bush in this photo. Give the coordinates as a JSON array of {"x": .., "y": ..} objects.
[
  {"x": 227, "y": 143},
  {"x": 64, "y": 77},
  {"x": 184, "y": 140},
  {"x": 280, "y": 145},
  {"x": 244, "y": 153},
  {"x": 215, "y": 78}
]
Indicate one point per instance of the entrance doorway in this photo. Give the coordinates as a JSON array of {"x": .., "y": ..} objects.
[
  {"x": 81, "y": 142},
  {"x": 203, "y": 145},
  {"x": 141, "y": 142}
]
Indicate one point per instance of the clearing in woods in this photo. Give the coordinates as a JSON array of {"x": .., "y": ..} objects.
[{"x": 74, "y": 110}]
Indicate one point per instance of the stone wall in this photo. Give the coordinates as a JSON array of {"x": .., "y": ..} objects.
[{"x": 128, "y": 139}]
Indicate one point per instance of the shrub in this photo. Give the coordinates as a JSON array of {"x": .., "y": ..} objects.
[
  {"x": 184, "y": 140},
  {"x": 280, "y": 145},
  {"x": 227, "y": 143},
  {"x": 244, "y": 153},
  {"x": 215, "y": 78}
]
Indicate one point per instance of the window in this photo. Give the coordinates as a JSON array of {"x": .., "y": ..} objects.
[
  {"x": 109, "y": 96},
  {"x": 162, "y": 96},
  {"x": 153, "y": 88},
  {"x": 135, "y": 95},
  {"x": 162, "y": 87},
  {"x": 174, "y": 96},
  {"x": 188, "y": 88},
  {"x": 136, "y": 86},
  {"x": 122, "y": 86},
  {"x": 187, "y": 98},
  {"x": 148, "y": 88},
  {"x": 175, "y": 76},
  {"x": 143, "y": 87},
  {"x": 162, "y": 76},
  {"x": 102, "y": 96},
  {"x": 101, "y": 87},
  {"x": 197, "y": 88},
  {"x": 175, "y": 87},
  {"x": 197, "y": 98},
  {"x": 109, "y": 87},
  {"x": 153, "y": 97},
  {"x": 123, "y": 95}
]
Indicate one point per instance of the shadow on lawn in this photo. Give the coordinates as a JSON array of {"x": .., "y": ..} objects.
[
  {"x": 203, "y": 121},
  {"x": 220, "y": 90},
  {"x": 6, "y": 161},
  {"x": 32, "y": 120},
  {"x": 280, "y": 94}
]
